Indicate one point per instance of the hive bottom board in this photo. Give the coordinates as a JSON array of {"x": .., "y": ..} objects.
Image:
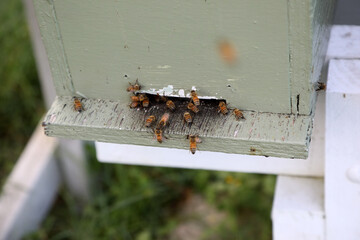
[{"x": 266, "y": 134}]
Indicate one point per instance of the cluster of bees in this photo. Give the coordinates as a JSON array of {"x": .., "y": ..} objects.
[
  {"x": 192, "y": 108},
  {"x": 142, "y": 100}
]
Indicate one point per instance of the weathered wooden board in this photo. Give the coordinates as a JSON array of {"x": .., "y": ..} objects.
[{"x": 268, "y": 134}]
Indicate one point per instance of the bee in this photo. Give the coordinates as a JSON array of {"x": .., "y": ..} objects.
[
  {"x": 320, "y": 86},
  {"x": 78, "y": 105},
  {"x": 193, "y": 139},
  {"x": 146, "y": 102},
  {"x": 158, "y": 135},
  {"x": 150, "y": 121},
  {"x": 187, "y": 118},
  {"x": 135, "y": 87},
  {"x": 171, "y": 105},
  {"x": 192, "y": 107},
  {"x": 227, "y": 51},
  {"x": 164, "y": 120},
  {"x": 159, "y": 98},
  {"x": 223, "y": 108},
  {"x": 195, "y": 98},
  {"x": 134, "y": 104},
  {"x": 238, "y": 114},
  {"x": 142, "y": 97},
  {"x": 135, "y": 99}
]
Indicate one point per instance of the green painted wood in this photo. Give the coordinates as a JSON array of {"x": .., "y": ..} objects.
[
  {"x": 269, "y": 134},
  {"x": 176, "y": 43},
  {"x": 309, "y": 31}
]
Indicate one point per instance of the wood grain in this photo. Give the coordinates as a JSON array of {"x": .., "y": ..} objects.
[{"x": 266, "y": 134}]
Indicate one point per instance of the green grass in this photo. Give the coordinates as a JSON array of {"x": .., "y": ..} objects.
[
  {"x": 133, "y": 202},
  {"x": 21, "y": 105},
  {"x": 128, "y": 202}
]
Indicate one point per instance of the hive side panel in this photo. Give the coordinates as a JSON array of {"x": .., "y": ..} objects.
[
  {"x": 51, "y": 36},
  {"x": 178, "y": 43},
  {"x": 300, "y": 47}
]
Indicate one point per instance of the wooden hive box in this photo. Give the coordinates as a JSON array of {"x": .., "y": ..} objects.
[{"x": 263, "y": 57}]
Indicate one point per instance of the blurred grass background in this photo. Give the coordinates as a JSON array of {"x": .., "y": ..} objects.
[{"x": 128, "y": 202}]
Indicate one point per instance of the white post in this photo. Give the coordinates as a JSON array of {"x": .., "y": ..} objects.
[
  {"x": 342, "y": 151},
  {"x": 72, "y": 155},
  {"x": 298, "y": 209}
]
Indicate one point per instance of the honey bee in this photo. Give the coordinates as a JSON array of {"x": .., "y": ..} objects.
[
  {"x": 150, "y": 121},
  {"x": 227, "y": 51},
  {"x": 159, "y": 98},
  {"x": 223, "y": 108},
  {"x": 142, "y": 97},
  {"x": 195, "y": 98},
  {"x": 146, "y": 102},
  {"x": 194, "y": 139},
  {"x": 320, "y": 86},
  {"x": 238, "y": 114},
  {"x": 192, "y": 107},
  {"x": 135, "y": 99},
  {"x": 135, "y": 87},
  {"x": 171, "y": 105},
  {"x": 158, "y": 135},
  {"x": 134, "y": 104},
  {"x": 78, "y": 105},
  {"x": 164, "y": 120},
  {"x": 187, "y": 118}
]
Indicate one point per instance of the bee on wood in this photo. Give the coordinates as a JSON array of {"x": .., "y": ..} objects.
[
  {"x": 171, "y": 105},
  {"x": 195, "y": 98},
  {"x": 146, "y": 102},
  {"x": 187, "y": 118},
  {"x": 238, "y": 114},
  {"x": 159, "y": 98},
  {"x": 193, "y": 139},
  {"x": 78, "y": 106},
  {"x": 320, "y": 86},
  {"x": 163, "y": 121},
  {"x": 134, "y": 104},
  {"x": 223, "y": 108},
  {"x": 158, "y": 135},
  {"x": 135, "y": 87},
  {"x": 192, "y": 107},
  {"x": 150, "y": 120},
  {"x": 142, "y": 97},
  {"x": 135, "y": 99}
]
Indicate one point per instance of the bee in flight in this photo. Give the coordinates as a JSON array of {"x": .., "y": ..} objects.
[
  {"x": 192, "y": 107},
  {"x": 78, "y": 106},
  {"x": 171, "y": 105},
  {"x": 163, "y": 121},
  {"x": 150, "y": 120},
  {"x": 195, "y": 98},
  {"x": 193, "y": 139},
  {"x": 135, "y": 87},
  {"x": 238, "y": 114},
  {"x": 158, "y": 134},
  {"x": 187, "y": 118},
  {"x": 223, "y": 108}
]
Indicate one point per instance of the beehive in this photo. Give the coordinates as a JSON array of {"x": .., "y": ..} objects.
[{"x": 263, "y": 57}]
